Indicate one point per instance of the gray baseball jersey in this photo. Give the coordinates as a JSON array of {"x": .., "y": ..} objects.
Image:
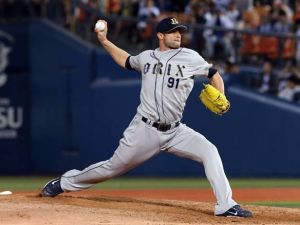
[{"x": 167, "y": 80}]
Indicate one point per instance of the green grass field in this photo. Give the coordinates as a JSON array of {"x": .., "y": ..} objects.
[
  {"x": 34, "y": 183},
  {"x": 31, "y": 183}
]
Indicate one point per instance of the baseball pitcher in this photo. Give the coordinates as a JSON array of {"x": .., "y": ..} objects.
[{"x": 167, "y": 74}]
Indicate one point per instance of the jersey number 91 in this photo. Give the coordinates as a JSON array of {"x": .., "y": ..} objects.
[{"x": 172, "y": 82}]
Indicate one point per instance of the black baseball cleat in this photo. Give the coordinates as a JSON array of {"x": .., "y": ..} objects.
[
  {"x": 52, "y": 188},
  {"x": 236, "y": 211}
]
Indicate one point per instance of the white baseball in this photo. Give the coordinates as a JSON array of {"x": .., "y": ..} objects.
[{"x": 100, "y": 26}]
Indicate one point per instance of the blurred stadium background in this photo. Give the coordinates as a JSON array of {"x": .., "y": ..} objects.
[{"x": 64, "y": 103}]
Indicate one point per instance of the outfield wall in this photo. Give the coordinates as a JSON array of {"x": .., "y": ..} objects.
[
  {"x": 77, "y": 103},
  {"x": 15, "y": 152}
]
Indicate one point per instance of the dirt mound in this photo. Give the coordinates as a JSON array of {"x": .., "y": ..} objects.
[{"x": 29, "y": 209}]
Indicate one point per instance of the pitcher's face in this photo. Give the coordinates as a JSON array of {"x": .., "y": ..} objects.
[{"x": 171, "y": 40}]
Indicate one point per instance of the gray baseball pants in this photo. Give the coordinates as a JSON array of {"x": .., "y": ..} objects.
[{"x": 140, "y": 142}]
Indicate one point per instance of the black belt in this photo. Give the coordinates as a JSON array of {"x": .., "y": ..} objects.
[{"x": 161, "y": 126}]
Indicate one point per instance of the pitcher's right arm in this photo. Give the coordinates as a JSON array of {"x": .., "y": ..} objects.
[{"x": 119, "y": 55}]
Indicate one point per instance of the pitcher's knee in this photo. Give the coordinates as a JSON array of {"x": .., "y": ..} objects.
[
  {"x": 110, "y": 170},
  {"x": 209, "y": 154},
  {"x": 212, "y": 152}
]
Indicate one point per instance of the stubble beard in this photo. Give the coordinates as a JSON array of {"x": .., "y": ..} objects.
[{"x": 173, "y": 46}]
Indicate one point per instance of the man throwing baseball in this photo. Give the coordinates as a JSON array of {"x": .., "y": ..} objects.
[{"x": 167, "y": 79}]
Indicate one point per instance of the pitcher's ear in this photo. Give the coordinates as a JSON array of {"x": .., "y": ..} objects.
[{"x": 160, "y": 35}]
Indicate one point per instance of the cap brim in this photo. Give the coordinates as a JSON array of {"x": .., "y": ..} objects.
[{"x": 181, "y": 28}]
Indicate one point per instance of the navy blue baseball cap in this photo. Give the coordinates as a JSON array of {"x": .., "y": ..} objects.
[{"x": 169, "y": 24}]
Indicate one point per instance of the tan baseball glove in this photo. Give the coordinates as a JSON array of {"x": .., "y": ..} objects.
[{"x": 214, "y": 100}]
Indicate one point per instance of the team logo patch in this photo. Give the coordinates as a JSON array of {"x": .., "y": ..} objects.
[{"x": 174, "y": 21}]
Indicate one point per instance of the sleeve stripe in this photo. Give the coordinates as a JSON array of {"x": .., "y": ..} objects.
[
  {"x": 127, "y": 64},
  {"x": 211, "y": 72}
]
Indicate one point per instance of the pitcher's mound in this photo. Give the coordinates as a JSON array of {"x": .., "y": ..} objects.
[{"x": 30, "y": 209}]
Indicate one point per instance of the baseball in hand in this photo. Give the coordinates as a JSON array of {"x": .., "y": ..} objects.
[{"x": 100, "y": 26}]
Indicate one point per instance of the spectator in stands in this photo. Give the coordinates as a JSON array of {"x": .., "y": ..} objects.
[
  {"x": 234, "y": 14},
  {"x": 68, "y": 7},
  {"x": 252, "y": 16},
  {"x": 284, "y": 74},
  {"x": 219, "y": 43},
  {"x": 282, "y": 25},
  {"x": 114, "y": 7},
  {"x": 296, "y": 15},
  {"x": 297, "y": 32},
  {"x": 83, "y": 18},
  {"x": 148, "y": 15},
  {"x": 265, "y": 24},
  {"x": 291, "y": 92},
  {"x": 196, "y": 12},
  {"x": 280, "y": 5},
  {"x": 130, "y": 9},
  {"x": 267, "y": 81}
]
